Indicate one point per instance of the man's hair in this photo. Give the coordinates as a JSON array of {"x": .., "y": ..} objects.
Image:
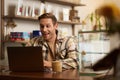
[{"x": 48, "y": 15}]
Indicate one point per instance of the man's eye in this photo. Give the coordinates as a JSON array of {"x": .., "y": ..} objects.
[{"x": 48, "y": 26}]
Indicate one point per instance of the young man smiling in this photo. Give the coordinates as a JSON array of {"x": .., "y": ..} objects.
[{"x": 54, "y": 47}]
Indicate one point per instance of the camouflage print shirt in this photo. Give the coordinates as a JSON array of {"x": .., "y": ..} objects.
[{"x": 65, "y": 50}]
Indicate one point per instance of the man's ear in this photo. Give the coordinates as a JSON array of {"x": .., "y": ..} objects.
[{"x": 56, "y": 25}]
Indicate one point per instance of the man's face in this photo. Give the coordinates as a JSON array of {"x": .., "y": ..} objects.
[{"x": 47, "y": 28}]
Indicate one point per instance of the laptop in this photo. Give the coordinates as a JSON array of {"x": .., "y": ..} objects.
[{"x": 25, "y": 59}]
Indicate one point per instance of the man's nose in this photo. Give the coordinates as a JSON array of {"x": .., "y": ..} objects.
[{"x": 44, "y": 28}]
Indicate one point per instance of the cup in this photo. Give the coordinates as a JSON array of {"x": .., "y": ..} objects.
[{"x": 56, "y": 66}]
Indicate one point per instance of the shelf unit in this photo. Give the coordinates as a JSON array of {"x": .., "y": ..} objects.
[
  {"x": 61, "y": 2},
  {"x": 96, "y": 31},
  {"x": 94, "y": 48},
  {"x": 35, "y": 19},
  {"x": 103, "y": 32},
  {"x": 17, "y": 41},
  {"x": 64, "y": 3},
  {"x": 5, "y": 17}
]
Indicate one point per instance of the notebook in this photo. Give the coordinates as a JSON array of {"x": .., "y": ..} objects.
[{"x": 25, "y": 59}]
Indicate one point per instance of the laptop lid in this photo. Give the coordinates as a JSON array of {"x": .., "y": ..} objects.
[{"x": 25, "y": 59}]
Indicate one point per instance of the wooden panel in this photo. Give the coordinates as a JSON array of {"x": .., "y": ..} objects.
[
  {"x": 1, "y": 29},
  {"x": 64, "y": 2}
]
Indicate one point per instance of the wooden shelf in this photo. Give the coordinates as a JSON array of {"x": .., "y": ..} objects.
[
  {"x": 21, "y": 42},
  {"x": 20, "y": 17},
  {"x": 97, "y": 31},
  {"x": 36, "y": 19},
  {"x": 69, "y": 22},
  {"x": 64, "y": 3}
]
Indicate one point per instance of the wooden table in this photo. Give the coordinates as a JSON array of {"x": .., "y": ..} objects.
[{"x": 72, "y": 74}]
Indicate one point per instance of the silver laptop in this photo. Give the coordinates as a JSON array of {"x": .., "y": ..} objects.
[{"x": 27, "y": 59}]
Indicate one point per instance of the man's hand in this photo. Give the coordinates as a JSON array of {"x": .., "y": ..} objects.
[{"x": 47, "y": 64}]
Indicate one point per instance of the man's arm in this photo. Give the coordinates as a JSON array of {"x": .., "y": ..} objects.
[{"x": 71, "y": 59}]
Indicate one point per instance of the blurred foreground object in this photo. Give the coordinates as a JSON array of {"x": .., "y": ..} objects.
[
  {"x": 108, "y": 61},
  {"x": 111, "y": 13}
]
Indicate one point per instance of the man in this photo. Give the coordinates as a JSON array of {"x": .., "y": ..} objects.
[{"x": 54, "y": 47}]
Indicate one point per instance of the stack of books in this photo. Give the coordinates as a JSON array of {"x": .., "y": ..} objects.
[{"x": 15, "y": 36}]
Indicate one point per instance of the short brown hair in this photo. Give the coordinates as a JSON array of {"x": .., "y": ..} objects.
[{"x": 48, "y": 15}]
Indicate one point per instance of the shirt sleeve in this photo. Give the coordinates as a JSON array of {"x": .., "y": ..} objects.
[
  {"x": 71, "y": 59},
  {"x": 34, "y": 41}
]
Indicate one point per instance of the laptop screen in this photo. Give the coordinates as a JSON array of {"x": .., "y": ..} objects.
[{"x": 25, "y": 58}]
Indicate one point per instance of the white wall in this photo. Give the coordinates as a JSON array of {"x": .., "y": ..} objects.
[{"x": 117, "y": 2}]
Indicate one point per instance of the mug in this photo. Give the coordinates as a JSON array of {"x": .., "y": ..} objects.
[{"x": 56, "y": 66}]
